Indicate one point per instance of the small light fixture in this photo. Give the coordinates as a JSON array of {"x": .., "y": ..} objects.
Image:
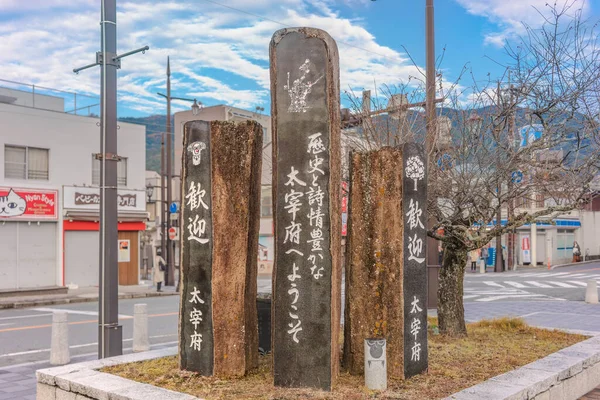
[
  {"x": 149, "y": 191},
  {"x": 196, "y": 107}
]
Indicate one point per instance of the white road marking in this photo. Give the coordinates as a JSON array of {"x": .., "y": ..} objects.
[
  {"x": 538, "y": 284},
  {"x": 561, "y": 284},
  {"x": 25, "y": 316},
  {"x": 470, "y": 296},
  {"x": 92, "y": 313},
  {"x": 515, "y": 284},
  {"x": 583, "y": 284},
  {"x": 7, "y": 324},
  {"x": 492, "y": 298},
  {"x": 490, "y": 283},
  {"x": 22, "y": 353}
]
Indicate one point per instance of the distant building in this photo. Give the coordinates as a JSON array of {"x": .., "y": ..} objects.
[
  {"x": 49, "y": 194},
  {"x": 227, "y": 113}
]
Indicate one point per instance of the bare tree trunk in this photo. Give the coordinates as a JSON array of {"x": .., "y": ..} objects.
[{"x": 451, "y": 311}]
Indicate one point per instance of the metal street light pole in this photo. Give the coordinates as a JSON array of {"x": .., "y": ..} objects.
[
  {"x": 110, "y": 334},
  {"x": 168, "y": 171},
  {"x": 432, "y": 244}
]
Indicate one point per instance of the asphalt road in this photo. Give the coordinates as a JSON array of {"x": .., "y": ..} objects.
[
  {"x": 25, "y": 334},
  {"x": 560, "y": 284}
]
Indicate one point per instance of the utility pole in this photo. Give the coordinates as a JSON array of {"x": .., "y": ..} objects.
[
  {"x": 432, "y": 244},
  {"x": 499, "y": 263},
  {"x": 170, "y": 245},
  {"x": 163, "y": 202},
  {"x": 110, "y": 333},
  {"x": 430, "y": 79}
]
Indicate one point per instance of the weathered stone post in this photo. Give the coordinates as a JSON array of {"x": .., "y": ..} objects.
[
  {"x": 306, "y": 193},
  {"x": 59, "y": 344},
  {"x": 218, "y": 333},
  {"x": 386, "y": 275},
  {"x": 141, "y": 341}
]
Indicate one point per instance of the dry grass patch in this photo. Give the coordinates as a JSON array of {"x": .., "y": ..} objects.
[{"x": 493, "y": 347}]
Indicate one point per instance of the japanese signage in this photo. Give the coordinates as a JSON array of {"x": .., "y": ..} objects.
[
  {"x": 88, "y": 198},
  {"x": 124, "y": 251},
  {"x": 525, "y": 247},
  {"x": 414, "y": 209},
  {"x": 304, "y": 207},
  {"x": 28, "y": 204},
  {"x": 196, "y": 339}
]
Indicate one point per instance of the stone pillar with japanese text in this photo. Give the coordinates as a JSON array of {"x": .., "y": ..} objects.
[
  {"x": 220, "y": 214},
  {"x": 386, "y": 273},
  {"x": 305, "y": 109},
  {"x": 414, "y": 212}
]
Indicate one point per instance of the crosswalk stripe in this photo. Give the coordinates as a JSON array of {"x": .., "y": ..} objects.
[
  {"x": 470, "y": 296},
  {"x": 561, "y": 273},
  {"x": 515, "y": 284},
  {"x": 490, "y": 283},
  {"x": 578, "y": 283},
  {"x": 538, "y": 284},
  {"x": 577, "y": 275},
  {"x": 492, "y": 298},
  {"x": 561, "y": 284}
]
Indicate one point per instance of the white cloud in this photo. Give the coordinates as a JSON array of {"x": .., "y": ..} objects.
[
  {"x": 217, "y": 53},
  {"x": 511, "y": 15}
]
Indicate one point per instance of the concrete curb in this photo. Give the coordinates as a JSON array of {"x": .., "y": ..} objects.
[
  {"x": 574, "y": 264},
  {"x": 73, "y": 300},
  {"x": 83, "y": 381},
  {"x": 567, "y": 374}
]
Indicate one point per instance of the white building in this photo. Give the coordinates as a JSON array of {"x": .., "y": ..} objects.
[
  {"x": 228, "y": 113},
  {"x": 49, "y": 195}
]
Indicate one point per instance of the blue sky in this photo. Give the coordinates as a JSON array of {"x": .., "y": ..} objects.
[{"x": 219, "y": 48}]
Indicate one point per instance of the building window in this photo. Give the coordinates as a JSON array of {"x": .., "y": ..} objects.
[
  {"x": 25, "y": 163},
  {"x": 266, "y": 209},
  {"x": 121, "y": 171},
  {"x": 266, "y": 138}
]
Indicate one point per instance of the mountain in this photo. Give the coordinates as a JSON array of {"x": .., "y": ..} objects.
[{"x": 155, "y": 126}]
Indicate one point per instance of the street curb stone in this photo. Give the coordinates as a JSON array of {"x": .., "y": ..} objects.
[
  {"x": 85, "y": 381},
  {"x": 567, "y": 374},
  {"x": 74, "y": 300}
]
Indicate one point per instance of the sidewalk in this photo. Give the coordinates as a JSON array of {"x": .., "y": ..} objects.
[{"x": 82, "y": 295}]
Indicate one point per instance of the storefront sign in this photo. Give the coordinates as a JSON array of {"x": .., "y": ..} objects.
[
  {"x": 87, "y": 198},
  {"x": 124, "y": 251},
  {"x": 28, "y": 204},
  {"x": 525, "y": 247}
]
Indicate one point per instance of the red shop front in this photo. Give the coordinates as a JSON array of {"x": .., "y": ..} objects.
[{"x": 81, "y": 236}]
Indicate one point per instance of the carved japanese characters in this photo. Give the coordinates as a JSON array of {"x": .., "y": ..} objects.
[
  {"x": 306, "y": 193},
  {"x": 218, "y": 321}
]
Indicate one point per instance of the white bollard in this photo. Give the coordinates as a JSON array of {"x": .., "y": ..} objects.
[
  {"x": 591, "y": 292},
  {"x": 375, "y": 364},
  {"x": 140, "y": 328},
  {"x": 59, "y": 348},
  {"x": 482, "y": 267}
]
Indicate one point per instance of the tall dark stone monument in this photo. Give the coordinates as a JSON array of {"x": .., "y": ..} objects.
[
  {"x": 386, "y": 282},
  {"x": 218, "y": 333},
  {"x": 414, "y": 211},
  {"x": 305, "y": 109}
]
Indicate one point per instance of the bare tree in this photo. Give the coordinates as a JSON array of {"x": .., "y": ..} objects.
[{"x": 483, "y": 168}]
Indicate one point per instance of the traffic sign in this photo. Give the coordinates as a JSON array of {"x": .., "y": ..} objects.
[
  {"x": 174, "y": 216},
  {"x": 517, "y": 177},
  {"x": 173, "y": 233},
  {"x": 173, "y": 207}
]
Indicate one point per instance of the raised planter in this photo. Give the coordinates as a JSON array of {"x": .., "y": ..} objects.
[{"x": 565, "y": 375}]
